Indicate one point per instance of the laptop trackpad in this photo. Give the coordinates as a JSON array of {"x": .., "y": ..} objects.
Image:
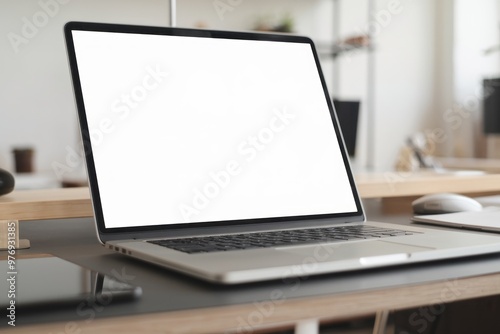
[{"x": 368, "y": 252}]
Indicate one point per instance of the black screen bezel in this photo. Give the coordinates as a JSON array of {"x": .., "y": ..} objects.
[{"x": 106, "y": 232}]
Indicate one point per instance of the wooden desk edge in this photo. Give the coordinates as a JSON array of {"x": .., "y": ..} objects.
[
  {"x": 46, "y": 204},
  {"x": 393, "y": 184},
  {"x": 75, "y": 202},
  {"x": 285, "y": 313}
]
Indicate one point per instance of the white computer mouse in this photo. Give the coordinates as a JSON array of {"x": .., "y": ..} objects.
[{"x": 444, "y": 203}]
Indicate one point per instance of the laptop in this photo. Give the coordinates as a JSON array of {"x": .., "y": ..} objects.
[{"x": 218, "y": 155}]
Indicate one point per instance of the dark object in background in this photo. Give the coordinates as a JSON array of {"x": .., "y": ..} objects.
[
  {"x": 347, "y": 113},
  {"x": 6, "y": 182},
  {"x": 491, "y": 106},
  {"x": 23, "y": 158}
]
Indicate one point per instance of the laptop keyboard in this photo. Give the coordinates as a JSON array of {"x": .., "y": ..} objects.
[{"x": 242, "y": 241}]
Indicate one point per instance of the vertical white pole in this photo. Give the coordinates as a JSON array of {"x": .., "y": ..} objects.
[
  {"x": 173, "y": 12},
  {"x": 336, "y": 38},
  {"x": 370, "y": 98},
  {"x": 380, "y": 325}
]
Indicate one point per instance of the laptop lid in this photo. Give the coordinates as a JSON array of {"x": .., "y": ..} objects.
[{"x": 188, "y": 131}]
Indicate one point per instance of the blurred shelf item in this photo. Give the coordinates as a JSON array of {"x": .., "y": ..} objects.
[{"x": 352, "y": 44}]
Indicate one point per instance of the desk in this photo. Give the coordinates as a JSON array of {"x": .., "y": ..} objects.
[
  {"x": 486, "y": 165},
  {"x": 402, "y": 184},
  {"x": 176, "y": 303},
  {"x": 75, "y": 202},
  {"x": 399, "y": 189}
]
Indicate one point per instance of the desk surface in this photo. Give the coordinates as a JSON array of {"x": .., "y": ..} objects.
[
  {"x": 75, "y": 202},
  {"x": 173, "y": 302}
]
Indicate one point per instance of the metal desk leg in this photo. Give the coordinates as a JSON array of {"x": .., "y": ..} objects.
[
  {"x": 380, "y": 322},
  {"x": 307, "y": 327}
]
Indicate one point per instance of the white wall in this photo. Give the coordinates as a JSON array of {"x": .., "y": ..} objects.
[
  {"x": 477, "y": 28},
  {"x": 36, "y": 101},
  {"x": 404, "y": 41},
  {"x": 36, "y": 98},
  {"x": 405, "y": 57}
]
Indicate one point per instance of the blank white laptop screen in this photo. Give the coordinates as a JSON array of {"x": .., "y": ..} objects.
[{"x": 187, "y": 129}]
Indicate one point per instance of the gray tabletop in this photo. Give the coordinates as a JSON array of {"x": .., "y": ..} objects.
[{"x": 164, "y": 290}]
